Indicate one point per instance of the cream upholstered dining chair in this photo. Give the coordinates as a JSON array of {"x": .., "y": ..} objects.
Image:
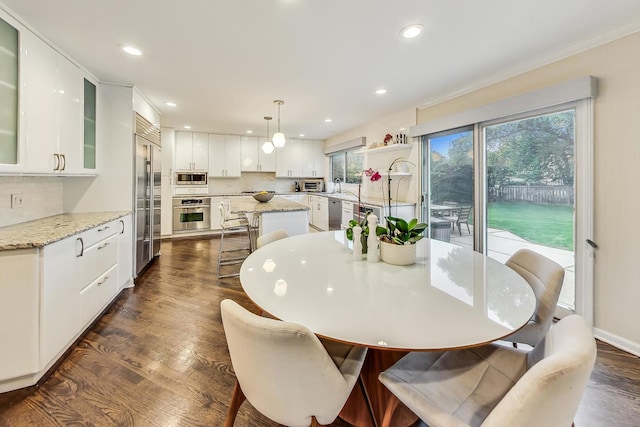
[
  {"x": 284, "y": 371},
  {"x": 545, "y": 277},
  {"x": 497, "y": 386},
  {"x": 270, "y": 237}
]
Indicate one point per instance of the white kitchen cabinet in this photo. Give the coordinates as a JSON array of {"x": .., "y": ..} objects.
[
  {"x": 8, "y": 97},
  {"x": 191, "y": 151},
  {"x": 313, "y": 159},
  {"x": 52, "y": 294},
  {"x": 19, "y": 315},
  {"x": 347, "y": 214},
  {"x": 59, "y": 321},
  {"x": 125, "y": 253},
  {"x": 224, "y": 156},
  {"x": 289, "y": 159},
  {"x": 319, "y": 212},
  {"x": 51, "y": 110},
  {"x": 253, "y": 158}
]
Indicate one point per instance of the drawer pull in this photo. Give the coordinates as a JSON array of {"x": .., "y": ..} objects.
[
  {"x": 104, "y": 246},
  {"x": 79, "y": 239},
  {"x": 103, "y": 280},
  {"x": 106, "y": 227}
]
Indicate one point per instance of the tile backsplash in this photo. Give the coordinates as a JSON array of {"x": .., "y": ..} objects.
[{"x": 41, "y": 197}]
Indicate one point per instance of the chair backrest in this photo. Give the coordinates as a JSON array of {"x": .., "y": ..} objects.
[
  {"x": 270, "y": 237},
  {"x": 224, "y": 212},
  {"x": 549, "y": 393},
  {"x": 282, "y": 368},
  {"x": 545, "y": 278},
  {"x": 463, "y": 214}
]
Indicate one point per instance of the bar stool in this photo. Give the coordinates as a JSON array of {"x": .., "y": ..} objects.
[{"x": 235, "y": 223}]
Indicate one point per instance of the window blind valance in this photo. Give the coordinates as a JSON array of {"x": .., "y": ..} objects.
[
  {"x": 347, "y": 145},
  {"x": 573, "y": 90}
]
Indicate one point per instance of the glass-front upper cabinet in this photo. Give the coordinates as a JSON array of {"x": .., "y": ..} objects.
[
  {"x": 8, "y": 94},
  {"x": 89, "y": 125}
]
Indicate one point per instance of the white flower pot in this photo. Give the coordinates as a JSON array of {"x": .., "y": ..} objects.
[{"x": 397, "y": 254}]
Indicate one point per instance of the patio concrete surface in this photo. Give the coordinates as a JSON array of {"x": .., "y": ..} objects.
[{"x": 502, "y": 244}]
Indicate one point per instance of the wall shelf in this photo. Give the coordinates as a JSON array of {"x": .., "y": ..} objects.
[{"x": 385, "y": 148}]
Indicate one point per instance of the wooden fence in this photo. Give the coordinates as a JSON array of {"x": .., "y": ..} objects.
[{"x": 542, "y": 194}]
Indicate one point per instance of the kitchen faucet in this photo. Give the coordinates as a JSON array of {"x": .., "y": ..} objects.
[{"x": 339, "y": 188}]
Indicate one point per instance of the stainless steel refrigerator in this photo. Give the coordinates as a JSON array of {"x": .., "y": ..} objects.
[{"x": 147, "y": 192}]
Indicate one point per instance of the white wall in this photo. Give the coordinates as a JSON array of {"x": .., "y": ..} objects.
[{"x": 41, "y": 197}]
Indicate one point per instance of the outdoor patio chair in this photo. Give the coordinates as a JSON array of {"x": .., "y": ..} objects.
[{"x": 461, "y": 217}]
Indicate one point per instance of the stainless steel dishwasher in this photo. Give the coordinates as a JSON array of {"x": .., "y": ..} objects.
[{"x": 335, "y": 213}]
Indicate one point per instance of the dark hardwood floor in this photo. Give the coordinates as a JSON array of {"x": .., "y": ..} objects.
[{"x": 158, "y": 357}]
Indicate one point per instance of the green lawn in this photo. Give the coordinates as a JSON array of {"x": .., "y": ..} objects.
[{"x": 549, "y": 225}]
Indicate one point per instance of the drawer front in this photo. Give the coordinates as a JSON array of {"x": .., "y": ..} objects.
[
  {"x": 93, "y": 236},
  {"x": 97, "y": 259},
  {"x": 97, "y": 295}
]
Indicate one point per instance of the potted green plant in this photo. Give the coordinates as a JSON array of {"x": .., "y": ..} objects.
[
  {"x": 397, "y": 241},
  {"x": 365, "y": 230}
]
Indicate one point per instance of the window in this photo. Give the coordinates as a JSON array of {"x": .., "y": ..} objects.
[{"x": 347, "y": 166}]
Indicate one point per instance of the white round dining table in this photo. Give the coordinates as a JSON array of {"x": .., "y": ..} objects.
[{"x": 452, "y": 297}]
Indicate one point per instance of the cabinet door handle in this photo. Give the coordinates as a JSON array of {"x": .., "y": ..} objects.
[
  {"x": 57, "y": 159},
  {"x": 79, "y": 239},
  {"x": 122, "y": 223},
  {"x": 64, "y": 162},
  {"x": 104, "y": 246},
  {"x": 103, "y": 280},
  {"x": 106, "y": 227}
]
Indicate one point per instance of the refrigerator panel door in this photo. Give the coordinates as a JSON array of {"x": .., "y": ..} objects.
[
  {"x": 143, "y": 193},
  {"x": 156, "y": 162}
]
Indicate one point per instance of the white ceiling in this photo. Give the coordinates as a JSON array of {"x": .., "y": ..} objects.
[{"x": 224, "y": 62}]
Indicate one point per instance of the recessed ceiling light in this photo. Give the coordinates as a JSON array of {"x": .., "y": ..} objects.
[
  {"x": 187, "y": 127},
  {"x": 411, "y": 31},
  {"x": 381, "y": 91},
  {"x": 328, "y": 120},
  {"x": 132, "y": 50},
  {"x": 301, "y": 135},
  {"x": 171, "y": 104},
  {"x": 249, "y": 131}
]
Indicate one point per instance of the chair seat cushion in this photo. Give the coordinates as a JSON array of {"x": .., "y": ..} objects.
[
  {"x": 455, "y": 388},
  {"x": 235, "y": 223}
]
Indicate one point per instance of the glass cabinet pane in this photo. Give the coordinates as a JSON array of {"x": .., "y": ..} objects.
[
  {"x": 89, "y": 125},
  {"x": 8, "y": 94}
]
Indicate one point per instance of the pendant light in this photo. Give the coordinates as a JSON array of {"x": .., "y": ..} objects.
[
  {"x": 267, "y": 147},
  {"x": 278, "y": 137}
]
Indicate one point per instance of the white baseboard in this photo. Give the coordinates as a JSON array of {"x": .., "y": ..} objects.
[{"x": 617, "y": 341}]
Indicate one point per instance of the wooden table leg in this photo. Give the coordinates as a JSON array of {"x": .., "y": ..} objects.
[{"x": 355, "y": 410}]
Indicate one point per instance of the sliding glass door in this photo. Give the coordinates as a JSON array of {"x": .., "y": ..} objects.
[
  {"x": 523, "y": 181},
  {"x": 530, "y": 164}
]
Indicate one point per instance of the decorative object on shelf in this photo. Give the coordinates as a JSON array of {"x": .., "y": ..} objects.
[
  {"x": 398, "y": 243},
  {"x": 264, "y": 196},
  {"x": 373, "y": 244},
  {"x": 388, "y": 138},
  {"x": 267, "y": 147},
  {"x": 401, "y": 138},
  {"x": 278, "y": 137}
]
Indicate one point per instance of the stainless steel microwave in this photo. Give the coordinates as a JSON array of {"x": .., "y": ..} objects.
[
  {"x": 311, "y": 185},
  {"x": 191, "y": 178}
]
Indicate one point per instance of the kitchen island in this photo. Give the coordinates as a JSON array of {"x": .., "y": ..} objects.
[{"x": 276, "y": 214}]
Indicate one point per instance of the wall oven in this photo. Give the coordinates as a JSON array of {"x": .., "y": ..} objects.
[
  {"x": 191, "y": 178},
  {"x": 191, "y": 214}
]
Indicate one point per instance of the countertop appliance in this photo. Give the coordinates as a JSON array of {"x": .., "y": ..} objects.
[
  {"x": 314, "y": 185},
  {"x": 191, "y": 214},
  {"x": 335, "y": 213},
  {"x": 147, "y": 192}
]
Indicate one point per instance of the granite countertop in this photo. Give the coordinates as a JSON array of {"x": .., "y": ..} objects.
[
  {"x": 371, "y": 201},
  {"x": 44, "y": 231},
  {"x": 277, "y": 204}
]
